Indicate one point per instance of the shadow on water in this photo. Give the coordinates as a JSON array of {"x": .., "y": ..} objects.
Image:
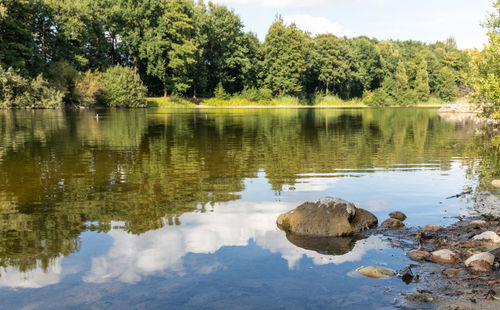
[{"x": 324, "y": 245}]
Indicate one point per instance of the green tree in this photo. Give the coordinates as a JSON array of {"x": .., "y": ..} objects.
[
  {"x": 225, "y": 49},
  {"x": 401, "y": 83},
  {"x": 334, "y": 69},
  {"x": 123, "y": 88},
  {"x": 485, "y": 77},
  {"x": 446, "y": 87},
  {"x": 170, "y": 48},
  {"x": 284, "y": 58},
  {"x": 422, "y": 82},
  {"x": 370, "y": 73},
  {"x": 16, "y": 41}
]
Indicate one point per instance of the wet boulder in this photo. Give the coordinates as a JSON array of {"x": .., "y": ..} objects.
[
  {"x": 483, "y": 256},
  {"x": 375, "y": 272},
  {"x": 496, "y": 183},
  {"x": 432, "y": 227},
  {"x": 478, "y": 223},
  {"x": 398, "y": 215},
  {"x": 488, "y": 205},
  {"x": 488, "y": 236},
  {"x": 418, "y": 254},
  {"x": 392, "y": 223},
  {"x": 328, "y": 217},
  {"x": 444, "y": 256}
]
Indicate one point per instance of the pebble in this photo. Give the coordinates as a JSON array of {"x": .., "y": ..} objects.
[
  {"x": 487, "y": 236},
  {"x": 444, "y": 256},
  {"x": 496, "y": 183},
  {"x": 484, "y": 256},
  {"x": 478, "y": 223},
  {"x": 376, "y": 272},
  {"x": 392, "y": 223},
  {"x": 418, "y": 255},
  {"x": 432, "y": 227},
  {"x": 451, "y": 273},
  {"x": 398, "y": 215}
]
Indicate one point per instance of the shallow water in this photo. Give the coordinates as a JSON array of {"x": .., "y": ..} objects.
[{"x": 176, "y": 208}]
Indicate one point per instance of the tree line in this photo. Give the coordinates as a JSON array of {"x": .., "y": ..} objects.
[{"x": 187, "y": 48}]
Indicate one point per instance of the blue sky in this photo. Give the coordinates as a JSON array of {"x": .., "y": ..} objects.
[{"x": 423, "y": 20}]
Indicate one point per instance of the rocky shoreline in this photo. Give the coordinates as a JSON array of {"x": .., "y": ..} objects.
[{"x": 454, "y": 267}]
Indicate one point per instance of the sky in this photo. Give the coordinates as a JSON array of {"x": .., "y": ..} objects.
[{"x": 424, "y": 20}]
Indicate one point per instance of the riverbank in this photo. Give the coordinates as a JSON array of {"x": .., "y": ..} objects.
[{"x": 279, "y": 102}]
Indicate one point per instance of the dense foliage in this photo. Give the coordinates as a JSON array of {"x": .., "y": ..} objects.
[
  {"x": 189, "y": 48},
  {"x": 486, "y": 69}
]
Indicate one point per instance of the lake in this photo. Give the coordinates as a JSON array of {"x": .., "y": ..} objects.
[{"x": 177, "y": 208}]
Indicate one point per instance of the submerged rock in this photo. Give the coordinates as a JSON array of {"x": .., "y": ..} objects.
[
  {"x": 487, "y": 236},
  {"x": 484, "y": 256},
  {"x": 398, "y": 215},
  {"x": 392, "y": 223},
  {"x": 451, "y": 273},
  {"x": 376, "y": 272},
  {"x": 444, "y": 256},
  {"x": 328, "y": 217},
  {"x": 488, "y": 205},
  {"x": 432, "y": 227},
  {"x": 418, "y": 255}
]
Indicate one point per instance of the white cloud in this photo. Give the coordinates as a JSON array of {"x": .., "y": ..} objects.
[
  {"x": 231, "y": 224},
  {"x": 38, "y": 277},
  {"x": 316, "y": 25},
  {"x": 289, "y": 4}
]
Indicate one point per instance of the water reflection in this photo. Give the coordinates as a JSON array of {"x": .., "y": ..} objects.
[
  {"x": 161, "y": 252},
  {"x": 161, "y": 173}
]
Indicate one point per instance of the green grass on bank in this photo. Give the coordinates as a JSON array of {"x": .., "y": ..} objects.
[
  {"x": 165, "y": 102},
  {"x": 291, "y": 101}
]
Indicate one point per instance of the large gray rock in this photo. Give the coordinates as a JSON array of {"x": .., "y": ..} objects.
[
  {"x": 328, "y": 217},
  {"x": 488, "y": 205}
]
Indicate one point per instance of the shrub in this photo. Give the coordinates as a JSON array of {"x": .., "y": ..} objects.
[
  {"x": 16, "y": 91},
  {"x": 254, "y": 94},
  {"x": 44, "y": 96},
  {"x": 88, "y": 88},
  {"x": 121, "y": 88},
  {"x": 377, "y": 98},
  {"x": 220, "y": 93}
]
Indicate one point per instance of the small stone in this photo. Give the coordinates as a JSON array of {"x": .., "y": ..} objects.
[
  {"x": 418, "y": 255},
  {"x": 432, "y": 227},
  {"x": 392, "y": 223},
  {"x": 487, "y": 236},
  {"x": 376, "y": 272},
  {"x": 478, "y": 223},
  {"x": 444, "y": 256},
  {"x": 480, "y": 266},
  {"x": 450, "y": 273},
  {"x": 496, "y": 183},
  {"x": 484, "y": 256},
  {"x": 398, "y": 215}
]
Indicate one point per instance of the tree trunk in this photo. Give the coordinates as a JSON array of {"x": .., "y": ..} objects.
[
  {"x": 44, "y": 47},
  {"x": 326, "y": 89}
]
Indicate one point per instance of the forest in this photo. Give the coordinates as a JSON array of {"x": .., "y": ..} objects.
[{"x": 119, "y": 52}]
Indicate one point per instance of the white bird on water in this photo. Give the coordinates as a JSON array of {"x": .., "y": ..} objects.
[{"x": 97, "y": 117}]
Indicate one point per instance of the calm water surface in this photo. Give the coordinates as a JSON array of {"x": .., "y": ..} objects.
[{"x": 174, "y": 208}]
